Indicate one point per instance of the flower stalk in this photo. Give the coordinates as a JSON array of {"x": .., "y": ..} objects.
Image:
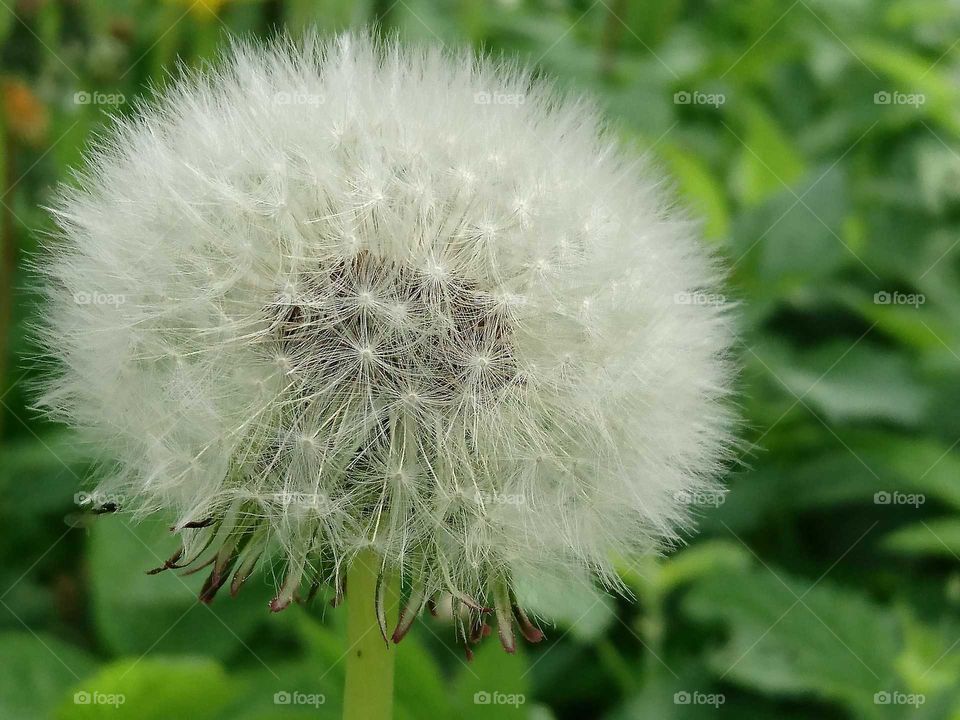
[{"x": 368, "y": 691}]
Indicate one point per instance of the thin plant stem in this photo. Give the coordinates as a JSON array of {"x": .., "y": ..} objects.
[
  {"x": 368, "y": 692},
  {"x": 8, "y": 254}
]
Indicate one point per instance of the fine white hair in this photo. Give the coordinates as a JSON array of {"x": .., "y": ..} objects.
[{"x": 338, "y": 294}]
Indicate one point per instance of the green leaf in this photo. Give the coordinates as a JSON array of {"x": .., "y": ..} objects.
[
  {"x": 938, "y": 175},
  {"x": 324, "y": 641},
  {"x": 790, "y": 636},
  {"x": 853, "y": 382},
  {"x": 420, "y": 691},
  {"x": 41, "y": 474},
  {"x": 795, "y": 238},
  {"x": 921, "y": 465},
  {"x": 869, "y": 463},
  {"x": 649, "y": 22},
  {"x": 669, "y": 695},
  {"x": 37, "y": 672},
  {"x": 702, "y": 559},
  {"x": 151, "y": 688},
  {"x": 928, "y": 663},
  {"x": 939, "y": 537},
  {"x": 662, "y": 696},
  {"x": 494, "y": 685},
  {"x": 701, "y": 189},
  {"x": 135, "y": 612},
  {"x": 285, "y": 689},
  {"x": 767, "y": 161},
  {"x": 912, "y": 74},
  {"x": 922, "y": 328},
  {"x": 306, "y": 682},
  {"x": 7, "y": 20}
]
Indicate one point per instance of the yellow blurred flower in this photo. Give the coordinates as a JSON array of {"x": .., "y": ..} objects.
[{"x": 24, "y": 114}]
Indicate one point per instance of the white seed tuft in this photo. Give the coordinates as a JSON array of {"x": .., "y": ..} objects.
[{"x": 461, "y": 331}]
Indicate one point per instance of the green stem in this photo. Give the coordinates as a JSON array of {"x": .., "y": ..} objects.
[
  {"x": 8, "y": 253},
  {"x": 368, "y": 693},
  {"x": 617, "y": 666}
]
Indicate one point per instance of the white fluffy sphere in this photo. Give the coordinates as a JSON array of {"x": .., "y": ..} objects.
[{"x": 342, "y": 294}]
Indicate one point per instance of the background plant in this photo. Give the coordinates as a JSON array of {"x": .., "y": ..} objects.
[{"x": 820, "y": 142}]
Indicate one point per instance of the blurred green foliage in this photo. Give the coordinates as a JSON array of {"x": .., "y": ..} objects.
[{"x": 820, "y": 143}]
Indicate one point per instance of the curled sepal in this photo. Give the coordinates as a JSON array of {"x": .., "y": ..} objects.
[
  {"x": 197, "y": 568},
  {"x": 472, "y": 637},
  {"x": 248, "y": 560},
  {"x": 459, "y": 597},
  {"x": 171, "y": 562},
  {"x": 410, "y": 611},
  {"x": 530, "y": 632},
  {"x": 210, "y": 533},
  {"x": 460, "y": 626},
  {"x": 504, "y": 612},
  {"x": 339, "y": 590},
  {"x": 223, "y": 563},
  {"x": 469, "y": 602},
  {"x": 478, "y": 629},
  {"x": 380, "y": 608},
  {"x": 289, "y": 588},
  {"x": 194, "y": 524}
]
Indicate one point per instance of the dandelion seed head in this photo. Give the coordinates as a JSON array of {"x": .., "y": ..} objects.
[{"x": 363, "y": 307}]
